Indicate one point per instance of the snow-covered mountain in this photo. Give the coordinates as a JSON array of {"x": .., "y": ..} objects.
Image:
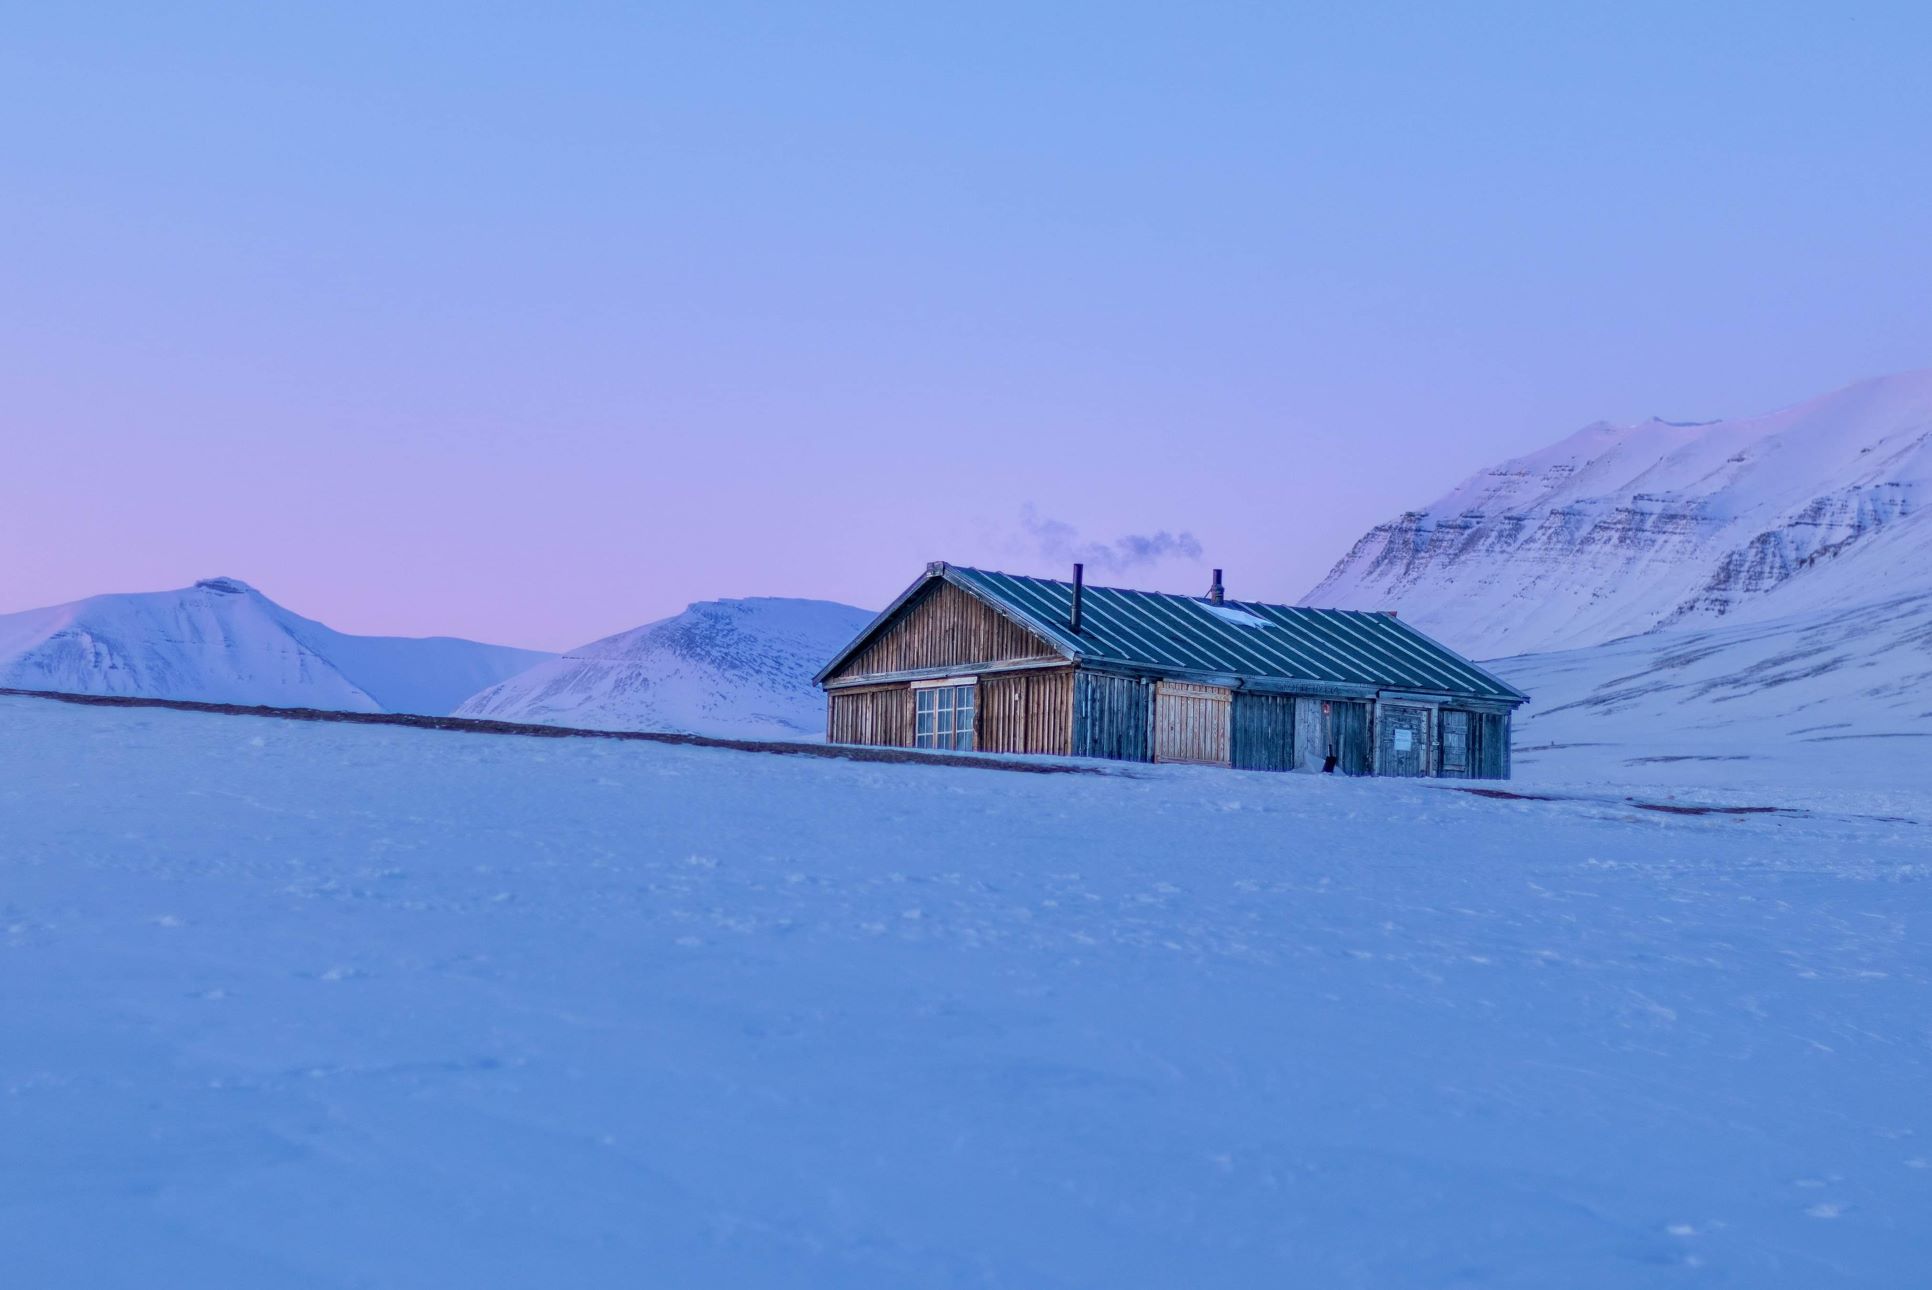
[
  {"x": 728, "y": 668},
  {"x": 1620, "y": 529},
  {"x": 1829, "y": 701},
  {"x": 221, "y": 641}
]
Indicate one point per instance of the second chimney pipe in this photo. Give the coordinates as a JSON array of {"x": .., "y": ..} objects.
[
  {"x": 1214, "y": 592},
  {"x": 1079, "y": 584}
]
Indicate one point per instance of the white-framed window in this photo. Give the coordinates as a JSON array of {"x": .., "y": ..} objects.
[{"x": 942, "y": 716}]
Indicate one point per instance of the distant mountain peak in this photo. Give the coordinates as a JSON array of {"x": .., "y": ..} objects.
[
  {"x": 736, "y": 668},
  {"x": 1617, "y": 529},
  {"x": 222, "y": 641}
]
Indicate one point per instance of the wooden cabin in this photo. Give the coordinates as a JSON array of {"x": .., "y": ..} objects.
[{"x": 969, "y": 659}]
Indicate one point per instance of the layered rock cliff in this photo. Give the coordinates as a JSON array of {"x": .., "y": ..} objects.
[{"x": 1620, "y": 529}]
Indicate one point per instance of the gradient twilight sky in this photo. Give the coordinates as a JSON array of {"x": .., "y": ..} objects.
[{"x": 534, "y": 322}]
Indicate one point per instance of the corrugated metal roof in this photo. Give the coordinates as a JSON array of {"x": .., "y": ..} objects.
[{"x": 1184, "y": 633}]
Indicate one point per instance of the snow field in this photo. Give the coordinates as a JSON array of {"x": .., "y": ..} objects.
[{"x": 298, "y": 1004}]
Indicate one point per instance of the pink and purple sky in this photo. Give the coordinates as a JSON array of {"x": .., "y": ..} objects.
[{"x": 533, "y": 323}]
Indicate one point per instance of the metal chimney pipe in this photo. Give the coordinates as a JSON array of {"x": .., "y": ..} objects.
[
  {"x": 1079, "y": 585},
  {"x": 1215, "y": 593}
]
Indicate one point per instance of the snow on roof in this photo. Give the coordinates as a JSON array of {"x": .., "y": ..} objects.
[{"x": 1239, "y": 617}]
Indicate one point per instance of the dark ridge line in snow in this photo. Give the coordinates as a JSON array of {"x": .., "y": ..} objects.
[
  {"x": 1666, "y": 808},
  {"x": 1662, "y": 808},
  {"x": 482, "y": 726}
]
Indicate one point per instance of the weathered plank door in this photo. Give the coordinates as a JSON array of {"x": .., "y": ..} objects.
[
  {"x": 876, "y": 715},
  {"x": 1311, "y": 733},
  {"x": 1111, "y": 716},
  {"x": 1191, "y": 723},
  {"x": 1026, "y": 712},
  {"x": 1490, "y": 755},
  {"x": 1263, "y": 735},
  {"x": 1402, "y": 743},
  {"x": 1455, "y": 760},
  {"x": 1345, "y": 735}
]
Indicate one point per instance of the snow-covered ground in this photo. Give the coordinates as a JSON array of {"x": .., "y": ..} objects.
[
  {"x": 1825, "y": 707},
  {"x": 294, "y": 1004}
]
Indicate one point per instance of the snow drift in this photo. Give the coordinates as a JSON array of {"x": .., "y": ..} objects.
[
  {"x": 730, "y": 668},
  {"x": 222, "y": 641}
]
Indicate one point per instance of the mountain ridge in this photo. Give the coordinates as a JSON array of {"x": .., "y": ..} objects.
[
  {"x": 1615, "y": 530},
  {"x": 739, "y": 668},
  {"x": 220, "y": 640}
]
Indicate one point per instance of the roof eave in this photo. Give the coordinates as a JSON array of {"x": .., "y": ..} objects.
[{"x": 1512, "y": 692}]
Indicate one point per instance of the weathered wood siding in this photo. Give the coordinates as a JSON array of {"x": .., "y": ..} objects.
[
  {"x": 1026, "y": 712},
  {"x": 1310, "y": 737},
  {"x": 1453, "y": 743},
  {"x": 871, "y": 715},
  {"x": 1191, "y": 723},
  {"x": 1489, "y": 754},
  {"x": 1111, "y": 716},
  {"x": 1262, "y": 735},
  {"x": 1345, "y": 733},
  {"x": 945, "y": 627}
]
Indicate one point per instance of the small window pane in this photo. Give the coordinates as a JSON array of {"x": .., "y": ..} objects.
[{"x": 963, "y": 717}]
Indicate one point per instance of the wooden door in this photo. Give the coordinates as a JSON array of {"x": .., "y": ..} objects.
[
  {"x": 1403, "y": 740},
  {"x": 1191, "y": 723},
  {"x": 1345, "y": 736},
  {"x": 1489, "y": 754},
  {"x": 1026, "y": 712},
  {"x": 1112, "y": 716},
  {"x": 1454, "y": 759},
  {"x": 1263, "y": 731},
  {"x": 877, "y": 715},
  {"x": 1311, "y": 733}
]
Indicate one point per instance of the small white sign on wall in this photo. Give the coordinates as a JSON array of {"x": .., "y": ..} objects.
[{"x": 1404, "y": 740}]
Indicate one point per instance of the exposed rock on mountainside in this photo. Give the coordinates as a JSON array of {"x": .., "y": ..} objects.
[
  {"x": 1620, "y": 529},
  {"x": 733, "y": 668},
  {"x": 221, "y": 641},
  {"x": 1820, "y": 698}
]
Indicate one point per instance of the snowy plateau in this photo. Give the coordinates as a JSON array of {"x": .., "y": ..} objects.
[
  {"x": 300, "y": 1004},
  {"x": 222, "y": 641},
  {"x": 724, "y": 668}
]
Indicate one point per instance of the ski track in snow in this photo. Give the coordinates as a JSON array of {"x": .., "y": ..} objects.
[{"x": 297, "y": 1004}]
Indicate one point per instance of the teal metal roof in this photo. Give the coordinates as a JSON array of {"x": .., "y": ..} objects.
[{"x": 1186, "y": 634}]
